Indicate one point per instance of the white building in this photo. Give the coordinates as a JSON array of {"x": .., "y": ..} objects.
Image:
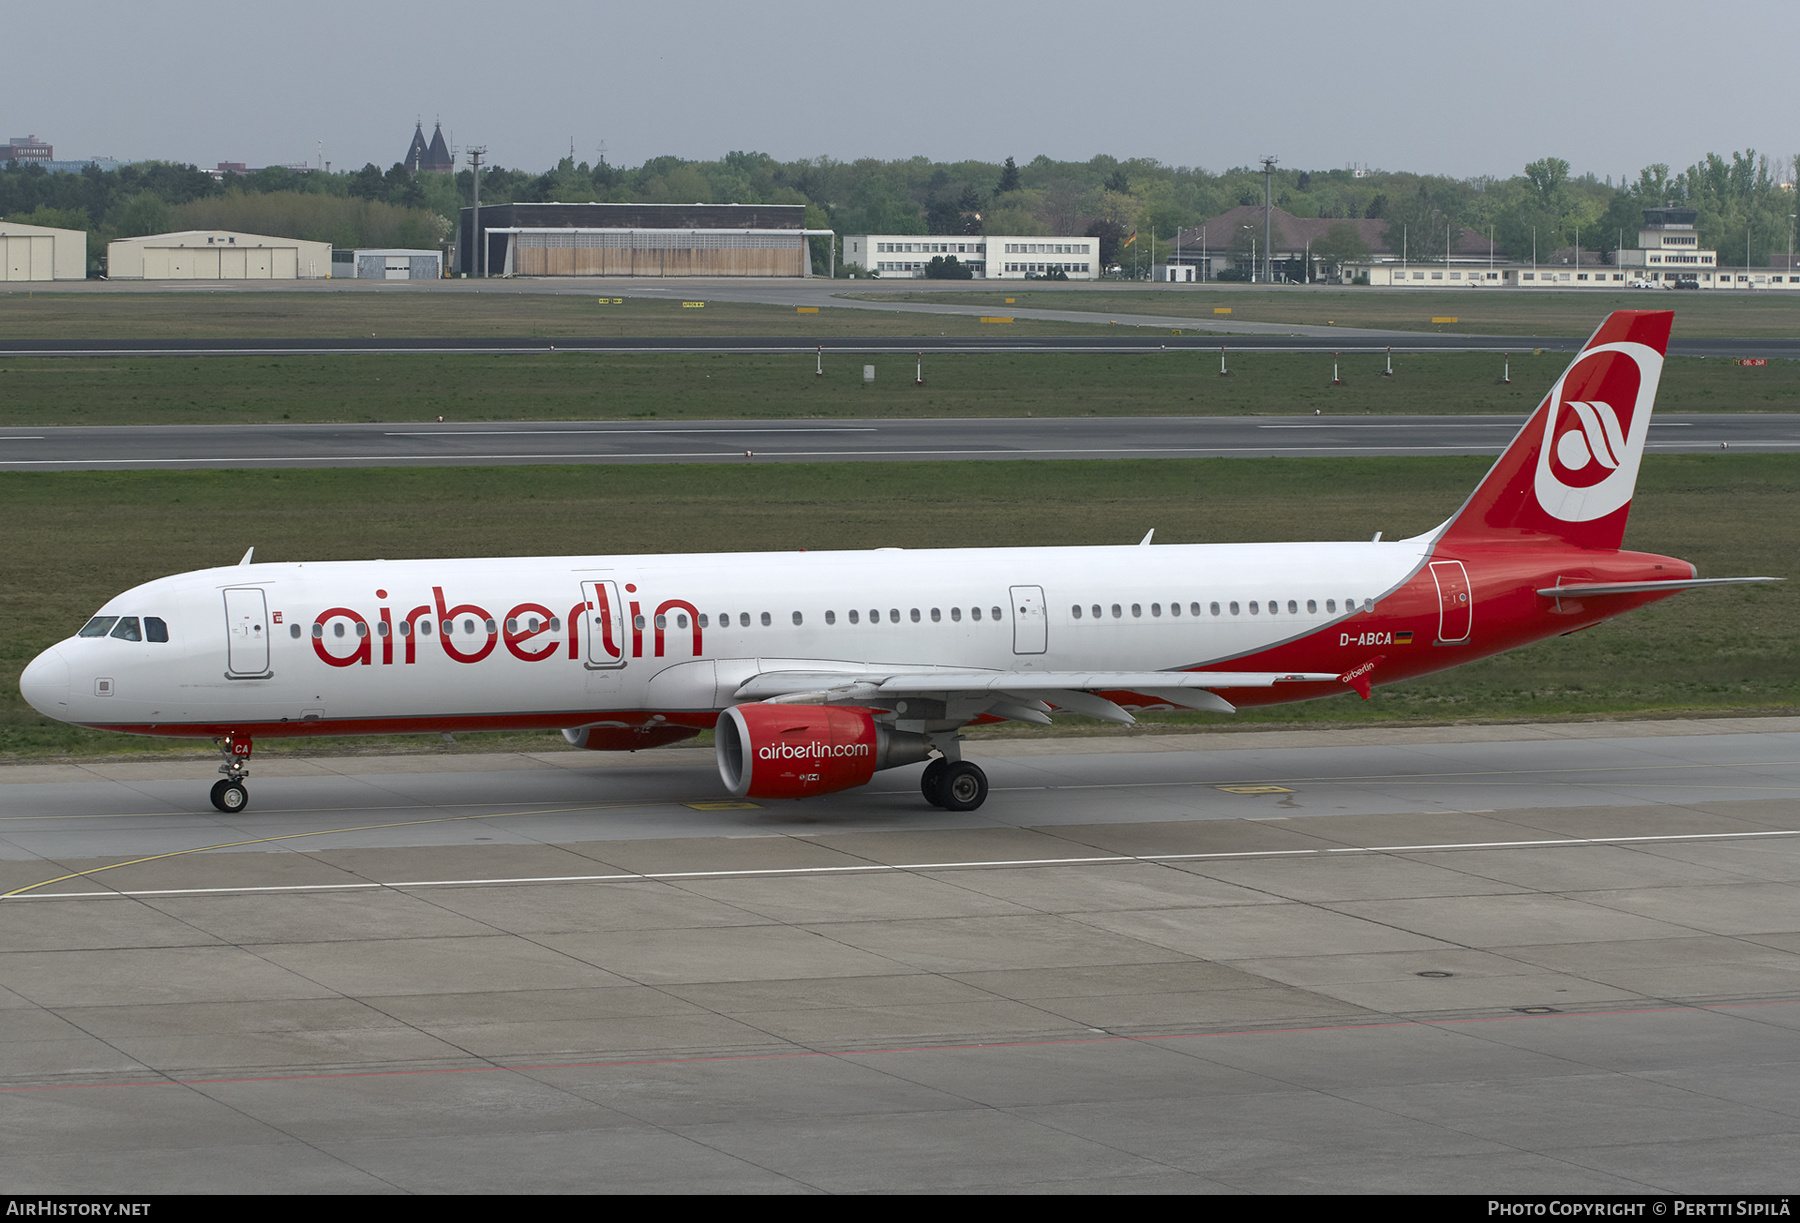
[
  {"x": 217, "y": 254},
  {"x": 396, "y": 264},
  {"x": 993, "y": 257},
  {"x": 1669, "y": 247},
  {"x": 1668, "y": 256},
  {"x": 37, "y": 252}
]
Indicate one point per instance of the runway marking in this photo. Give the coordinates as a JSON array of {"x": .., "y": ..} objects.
[
  {"x": 18, "y": 893},
  {"x": 441, "y": 458},
  {"x": 1348, "y": 778},
  {"x": 490, "y": 1067},
  {"x": 854, "y": 869},
  {"x": 1510, "y": 424},
  {"x": 454, "y": 433}
]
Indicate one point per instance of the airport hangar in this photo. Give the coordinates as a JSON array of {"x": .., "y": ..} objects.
[
  {"x": 38, "y": 252},
  {"x": 216, "y": 254},
  {"x": 637, "y": 240}
]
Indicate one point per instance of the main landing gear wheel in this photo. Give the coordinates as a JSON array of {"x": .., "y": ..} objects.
[
  {"x": 931, "y": 783},
  {"x": 963, "y": 787},
  {"x": 231, "y": 796}
]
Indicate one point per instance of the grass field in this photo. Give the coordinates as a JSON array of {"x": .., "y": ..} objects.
[
  {"x": 75, "y": 540},
  {"x": 587, "y": 386},
  {"x": 1511, "y": 312},
  {"x": 231, "y": 313}
]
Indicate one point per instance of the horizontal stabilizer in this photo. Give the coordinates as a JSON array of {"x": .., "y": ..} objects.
[{"x": 1586, "y": 589}]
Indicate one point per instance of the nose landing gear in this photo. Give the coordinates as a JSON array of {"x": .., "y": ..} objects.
[{"x": 231, "y": 795}]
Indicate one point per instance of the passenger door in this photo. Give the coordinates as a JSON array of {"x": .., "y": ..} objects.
[
  {"x": 1455, "y": 609},
  {"x": 246, "y": 633},
  {"x": 604, "y": 626}
]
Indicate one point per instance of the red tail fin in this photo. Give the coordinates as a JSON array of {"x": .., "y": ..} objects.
[{"x": 1570, "y": 473}]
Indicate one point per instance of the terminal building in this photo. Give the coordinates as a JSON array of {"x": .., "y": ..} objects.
[
  {"x": 37, "y": 252},
  {"x": 1668, "y": 256},
  {"x": 994, "y": 257},
  {"x": 636, "y": 240},
  {"x": 217, "y": 254}
]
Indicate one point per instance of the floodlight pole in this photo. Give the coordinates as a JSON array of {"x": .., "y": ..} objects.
[
  {"x": 1268, "y": 205},
  {"x": 477, "y": 256}
]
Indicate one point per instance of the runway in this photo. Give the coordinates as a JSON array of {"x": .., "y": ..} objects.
[
  {"x": 499, "y": 443},
  {"x": 1139, "y": 334},
  {"x": 1511, "y": 959}
]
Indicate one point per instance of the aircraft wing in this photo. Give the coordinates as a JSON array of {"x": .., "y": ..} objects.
[{"x": 1022, "y": 695}]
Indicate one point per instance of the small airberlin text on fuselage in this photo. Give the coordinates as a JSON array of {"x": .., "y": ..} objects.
[{"x": 821, "y": 697}]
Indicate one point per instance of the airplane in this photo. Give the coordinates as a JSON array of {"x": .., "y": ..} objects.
[{"x": 815, "y": 670}]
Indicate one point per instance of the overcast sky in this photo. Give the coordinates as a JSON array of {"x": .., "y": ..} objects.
[{"x": 1449, "y": 88}]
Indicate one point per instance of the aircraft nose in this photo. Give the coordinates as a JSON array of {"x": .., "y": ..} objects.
[{"x": 45, "y": 684}]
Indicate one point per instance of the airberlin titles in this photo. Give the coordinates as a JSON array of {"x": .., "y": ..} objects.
[
  {"x": 532, "y": 632},
  {"x": 469, "y": 633}
]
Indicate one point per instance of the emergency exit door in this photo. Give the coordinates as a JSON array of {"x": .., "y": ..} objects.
[{"x": 1031, "y": 628}]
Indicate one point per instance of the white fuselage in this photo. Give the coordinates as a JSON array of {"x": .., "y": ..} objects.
[{"x": 563, "y": 641}]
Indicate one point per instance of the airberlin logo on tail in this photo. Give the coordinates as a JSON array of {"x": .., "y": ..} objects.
[{"x": 1594, "y": 431}]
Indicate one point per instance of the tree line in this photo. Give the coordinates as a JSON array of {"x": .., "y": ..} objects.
[{"x": 1744, "y": 201}]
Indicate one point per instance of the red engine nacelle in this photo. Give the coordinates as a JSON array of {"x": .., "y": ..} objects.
[{"x": 792, "y": 751}]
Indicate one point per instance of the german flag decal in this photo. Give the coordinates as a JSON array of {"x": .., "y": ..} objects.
[{"x": 1403, "y": 638}]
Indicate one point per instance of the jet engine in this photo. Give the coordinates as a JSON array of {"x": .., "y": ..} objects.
[{"x": 793, "y": 751}]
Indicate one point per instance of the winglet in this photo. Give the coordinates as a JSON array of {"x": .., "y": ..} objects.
[
  {"x": 1358, "y": 677},
  {"x": 248, "y": 553},
  {"x": 1145, "y": 542}
]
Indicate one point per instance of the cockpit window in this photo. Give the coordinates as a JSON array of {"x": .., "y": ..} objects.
[
  {"x": 99, "y": 626},
  {"x": 127, "y": 629},
  {"x": 155, "y": 629}
]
